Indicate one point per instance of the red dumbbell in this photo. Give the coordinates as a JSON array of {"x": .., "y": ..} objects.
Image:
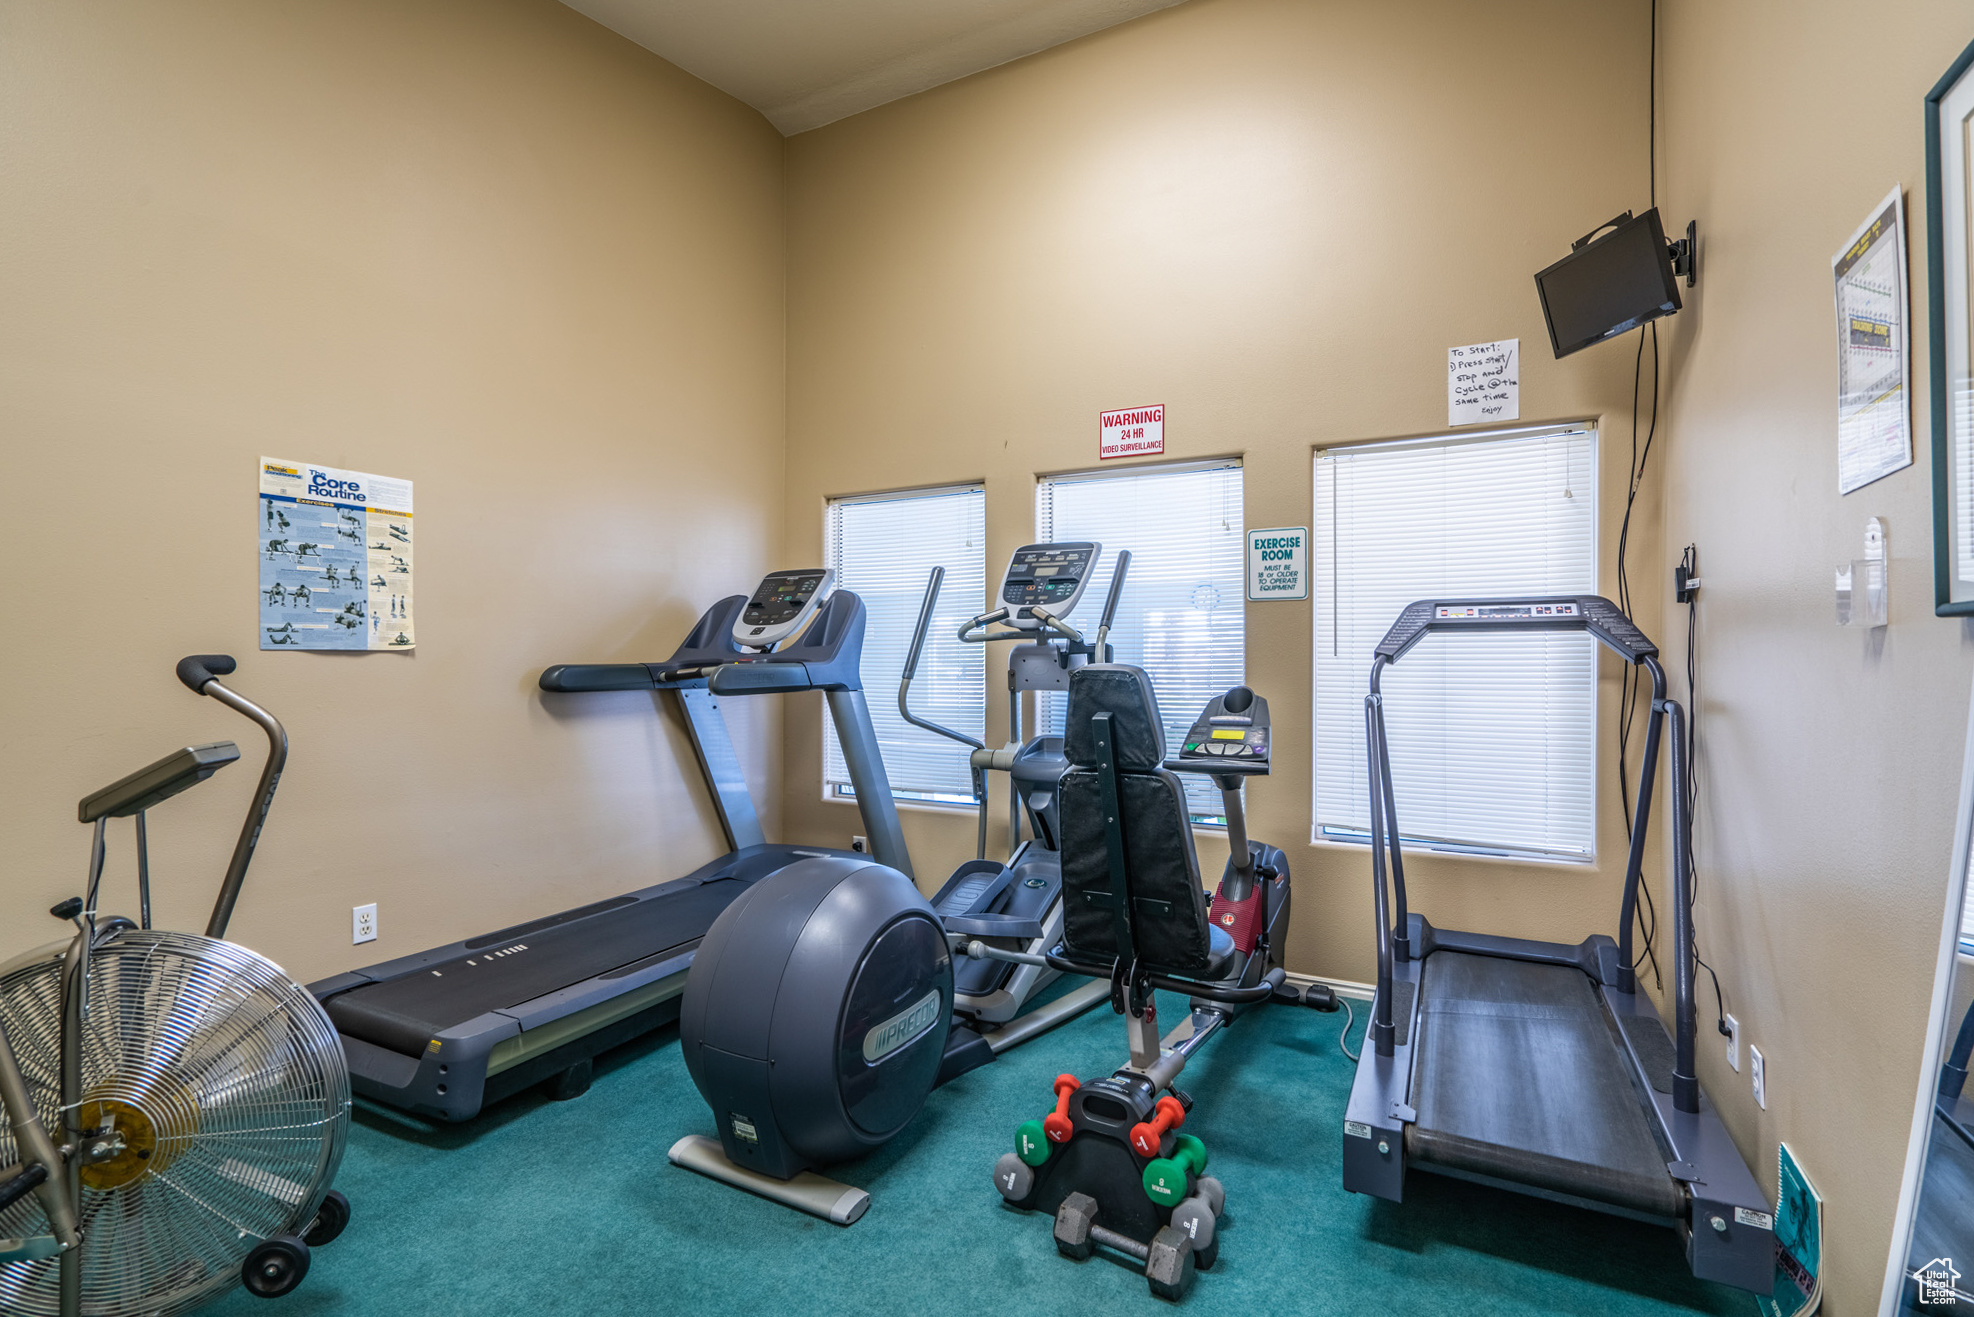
[
  {"x": 1147, "y": 1136},
  {"x": 1056, "y": 1123}
]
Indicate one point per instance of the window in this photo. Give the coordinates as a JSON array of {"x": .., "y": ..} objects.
[
  {"x": 1493, "y": 737},
  {"x": 883, "y": 547},
  {"x": 1182, "y": 616}
]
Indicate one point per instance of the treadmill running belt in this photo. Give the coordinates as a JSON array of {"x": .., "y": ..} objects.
[
  {"x": 1520, "y": 1077},
  {"x": 404, "y": 1014}
]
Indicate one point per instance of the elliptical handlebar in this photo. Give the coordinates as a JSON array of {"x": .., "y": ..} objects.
[
  {"x": 200, "y": 673},
  {"x": 1110, "y": 604},
  {"x": 932, "y": 584},
  {"x": 1056, "y": 624},
  {"x": 974, "y": 631}
]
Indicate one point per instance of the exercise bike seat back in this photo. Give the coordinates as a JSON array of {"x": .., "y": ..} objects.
[{"x": 1169, "y": 924}]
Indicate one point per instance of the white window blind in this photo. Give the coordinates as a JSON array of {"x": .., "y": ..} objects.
[
  {"x": 1967, "y": 920},
  {"x": 1492, "y": 736},
  {"x": 1182, "y": 616},
  {"x": 883, "y": 547}
]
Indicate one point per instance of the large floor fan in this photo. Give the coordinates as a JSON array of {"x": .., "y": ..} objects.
[{"x": 175, "y": 1107}]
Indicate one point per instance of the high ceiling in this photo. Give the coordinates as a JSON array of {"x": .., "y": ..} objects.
[{"x": 805, "y": 63}]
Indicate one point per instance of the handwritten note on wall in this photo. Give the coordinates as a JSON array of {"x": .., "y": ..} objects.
[{"x": 1483, "y": 382}]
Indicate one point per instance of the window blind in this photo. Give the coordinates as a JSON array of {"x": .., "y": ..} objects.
[
  {"x": 1967, "y": 921},
  {"x": 1182, "y": 616},
  {"x": 883, "y": 547},
  {"x": 1493, "y": 736}
]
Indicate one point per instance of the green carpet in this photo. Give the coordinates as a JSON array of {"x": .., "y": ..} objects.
[{"x": 571, "y": 1207}]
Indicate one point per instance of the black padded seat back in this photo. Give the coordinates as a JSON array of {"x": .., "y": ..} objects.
[
  {"x": 1169, "y": 923},
  {"x": 1125, "y": 693}
]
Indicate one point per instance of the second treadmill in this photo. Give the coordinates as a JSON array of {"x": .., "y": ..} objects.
[{"x": 445, "y": 1032}]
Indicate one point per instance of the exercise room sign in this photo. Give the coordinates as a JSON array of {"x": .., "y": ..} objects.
[
  {"x": 1278, "y": 563},
  {"x": 1132, "y": 432}
]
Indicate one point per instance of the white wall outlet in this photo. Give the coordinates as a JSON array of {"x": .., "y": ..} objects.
[
  {"x": 859, "y": 845},
  {"x": 363, "y": 924},
  {"x": 1733, "y": 1042},
  {"x": 1760, "y": 1078}
]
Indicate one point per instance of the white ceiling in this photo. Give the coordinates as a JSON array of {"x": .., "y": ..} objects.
[{"x": 805, "y": 63}]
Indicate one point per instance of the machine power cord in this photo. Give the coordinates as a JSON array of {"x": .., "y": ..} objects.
[
  {"x": 1629, "y": 684},
  {"x": 1349, "y": 1019},
  {"x": 1689, "y": 561}
]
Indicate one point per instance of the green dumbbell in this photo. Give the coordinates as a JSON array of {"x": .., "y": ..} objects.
[
  {"x": 1169, "y": 1179},
  {"x": 1030, "y": 1143}
]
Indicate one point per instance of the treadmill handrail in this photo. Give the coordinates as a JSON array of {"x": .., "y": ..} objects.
[
  {"x": 1604, "y": 620},
  {"x": 1612, "y": 628}
]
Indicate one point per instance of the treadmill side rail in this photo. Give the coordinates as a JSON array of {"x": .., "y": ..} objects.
[
  {"x": 1380, "y": 1105},
  {"x": 1730, "y": 1234}
]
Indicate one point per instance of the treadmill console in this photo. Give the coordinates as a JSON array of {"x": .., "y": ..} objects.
[
  {"x": 1229, "y": 736},
  {"x": 780, "y": 606},
  {"x": 1498, "y": 614},
  {"x": 1052, "y": 575}
]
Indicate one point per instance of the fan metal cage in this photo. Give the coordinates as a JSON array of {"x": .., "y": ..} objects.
[{"x": 228, "y": 1083}]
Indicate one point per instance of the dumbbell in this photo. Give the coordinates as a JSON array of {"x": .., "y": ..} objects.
[
  {"x": 1168, "y": 1180},
  {"x": 1148, "y": 1136},
  {"x": 1169, "y": 1258},
  {"x": 1033, "y": 1137},
  {"x": 1056, "y": 1124},
  {"x": 1200, "y": 1214},
  {"x": 1013, "y": 1177}
]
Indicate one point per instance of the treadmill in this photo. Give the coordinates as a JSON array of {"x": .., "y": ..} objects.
[
  {"x": 443, "y": 1033},
  {"x": 1539, "y": 1066}
]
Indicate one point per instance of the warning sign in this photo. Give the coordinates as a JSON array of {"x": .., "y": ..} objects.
[
  {"x": 1278, "y": 563},
  {"x": 1133, "y": 432}
]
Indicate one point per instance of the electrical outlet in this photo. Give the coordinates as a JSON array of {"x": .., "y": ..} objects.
[
  {"x": 1761, "y": 1079},
  {"x": 1733, "y": 1043},
  {"x": 363, "y": 924},
  {"x": 859, "y": 845}
]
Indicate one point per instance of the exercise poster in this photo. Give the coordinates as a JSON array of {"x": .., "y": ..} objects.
[
  {"x": 1874, "y": 425},
  {"x": 335, "y": 558}
]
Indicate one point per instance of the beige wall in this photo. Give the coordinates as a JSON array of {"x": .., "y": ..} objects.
[
  {"x": 1274, "y": 217},
  {"x": 490, "y": 247},
  {"x": 498, "y": 250},
  {"x": 1831, "y": 757}
]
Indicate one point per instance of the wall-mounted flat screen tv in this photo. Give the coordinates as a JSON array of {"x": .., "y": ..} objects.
[{"x": 1606, "y": 287}]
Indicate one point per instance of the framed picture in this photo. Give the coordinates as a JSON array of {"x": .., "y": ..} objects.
[{"x": 1949, "y": 142}]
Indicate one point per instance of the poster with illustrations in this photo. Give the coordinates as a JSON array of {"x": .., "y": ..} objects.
[
  {"x": 335, "y": 558},
  {"x": 1874, "y": 423}
]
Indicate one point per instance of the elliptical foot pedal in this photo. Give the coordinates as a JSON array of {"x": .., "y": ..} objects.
[{"x": 839, "y": 1204}]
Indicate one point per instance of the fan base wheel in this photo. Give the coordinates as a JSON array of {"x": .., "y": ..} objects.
[
  {"x": 275, "y": 1266},
  {"x": 330, "y": 1218}
]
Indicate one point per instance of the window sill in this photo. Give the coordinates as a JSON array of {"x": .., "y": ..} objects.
[{"x": 1415, "y": 848}]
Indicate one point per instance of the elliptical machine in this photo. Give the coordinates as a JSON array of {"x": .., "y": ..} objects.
[
  {"x": 1109, "y": 1160},
  {"x": 824, "y": 1004},
  {"x": 1017, "y": 905}
]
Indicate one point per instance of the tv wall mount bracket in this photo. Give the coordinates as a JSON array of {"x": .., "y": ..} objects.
[{"x": 1683, "y": 252}]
